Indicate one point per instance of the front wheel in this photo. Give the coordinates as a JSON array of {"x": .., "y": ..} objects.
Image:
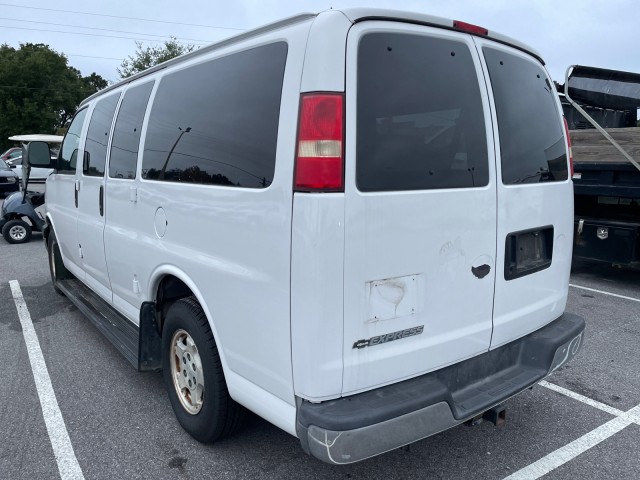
[
  {"x": 193, "y": 375},
  {"x": 16, "y": 231},
  {"x": 56, "y": 266}
]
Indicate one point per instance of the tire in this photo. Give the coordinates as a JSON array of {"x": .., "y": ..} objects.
[
  {"x": 56, "y": 266},
  {"x": 189, "y": 353},
  {"x": 16, "y": 231}
]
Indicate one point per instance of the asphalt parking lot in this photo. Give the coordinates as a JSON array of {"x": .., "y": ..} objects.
[{"x": 583, "y": 423}]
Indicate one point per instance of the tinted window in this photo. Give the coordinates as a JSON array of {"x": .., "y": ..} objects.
[
  {"x": 69, "y": 151},
  {"x": 217, "y": 122},
  {"x": 419, "y": 114},
  {"x": 126, "y": 133},
  {"x": 95, "y": 148},
  {"x": 532, "y": 143}
]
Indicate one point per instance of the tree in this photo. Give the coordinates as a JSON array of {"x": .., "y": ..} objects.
[
  {"x": 146, "y": 57},
  {"x": 39, "y": 91},
  {"x": 87, "y": 86}
]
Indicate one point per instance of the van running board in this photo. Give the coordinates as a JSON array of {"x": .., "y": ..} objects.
[{"x": 119, "y": 331}]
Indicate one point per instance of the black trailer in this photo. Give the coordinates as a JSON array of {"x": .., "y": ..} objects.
[{"x": 601, "y": 109}]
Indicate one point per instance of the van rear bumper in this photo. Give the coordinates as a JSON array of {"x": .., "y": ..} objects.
[{"x": 350, "y": 429}]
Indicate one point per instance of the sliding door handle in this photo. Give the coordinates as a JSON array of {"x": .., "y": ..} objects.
[{"x": 101, "y": 201}]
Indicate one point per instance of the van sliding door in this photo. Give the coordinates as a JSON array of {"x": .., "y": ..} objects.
[{"x": 91, "y": 196}]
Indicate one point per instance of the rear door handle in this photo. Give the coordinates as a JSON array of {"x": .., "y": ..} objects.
[
  {"x": 75, "y": 191},
  {"x": 481, "y": 271},
  {"x": 101, "y": 201}
]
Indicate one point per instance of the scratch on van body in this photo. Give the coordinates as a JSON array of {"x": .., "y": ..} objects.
[{"x": 452, "y": 258}]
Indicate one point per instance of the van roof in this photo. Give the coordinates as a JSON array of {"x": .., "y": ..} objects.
[
  {"x": 208, "y": 48},
  {"x": 354, "y": 15}
]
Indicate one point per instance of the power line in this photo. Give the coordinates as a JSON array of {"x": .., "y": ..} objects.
[
  {"x": 91, "y": 56},
  {"x": 86, "y": 34},
  {"x": 101, "y": 29},
  {"x": 117, "y": 16},
  {"x": 27, "y": 88}
]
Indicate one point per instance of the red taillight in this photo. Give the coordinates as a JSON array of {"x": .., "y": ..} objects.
[
  {"x": 566, "y": 130},
  {"x": 319, "y": 165},
  {"x": 469, "y": 28}
]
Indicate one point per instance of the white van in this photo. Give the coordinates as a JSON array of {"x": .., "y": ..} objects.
[{"x": 356, "y": 224}]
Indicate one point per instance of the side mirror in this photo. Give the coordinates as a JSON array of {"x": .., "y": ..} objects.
[{"x": 36, "y": 154}]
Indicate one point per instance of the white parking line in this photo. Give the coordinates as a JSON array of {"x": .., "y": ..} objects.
[
  {"x": 570, "y": 451},
  {"x": 581, "y": 398},
  {"x": 604, "y": 293},
  {"x": 62, "y": 449}
]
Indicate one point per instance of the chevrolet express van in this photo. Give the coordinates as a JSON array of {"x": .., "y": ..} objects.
[{"x": 356, "y": 224}]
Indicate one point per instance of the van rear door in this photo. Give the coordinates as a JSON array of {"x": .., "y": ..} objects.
[
  {"x": 535, "y": 194},
  {"x": 420, "y": 203}
]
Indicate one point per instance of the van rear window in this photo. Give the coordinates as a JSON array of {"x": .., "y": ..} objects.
[
  {"x": 419, "y": 114},
  {"x": 217, "y": 122},
  {"x": 532, "y": 143}
]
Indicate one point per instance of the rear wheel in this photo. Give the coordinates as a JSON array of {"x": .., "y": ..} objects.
[
  {"x": 193, "y": 375},
  {"x": 16, "y": 231},
  {"x": 56, "y": 266}
]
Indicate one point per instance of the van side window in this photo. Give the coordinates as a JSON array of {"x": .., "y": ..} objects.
[
  {"x": 69, "y": 150},
  {"x": 419, "y": 115},
  {"x": 217, "y": 122},
  {"x": 126, "y": 133},
  {"x": 95, "y": 148},
  {"x": 532, "y": 143}
]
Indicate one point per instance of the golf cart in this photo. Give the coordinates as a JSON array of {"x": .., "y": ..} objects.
[{"x": 18, "y": 216}]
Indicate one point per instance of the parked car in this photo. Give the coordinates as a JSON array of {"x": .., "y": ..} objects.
[
  {"x": 11, "y": 153},
  {"x": 9, "y": 180},
  {"x": 38, "y": 175}
]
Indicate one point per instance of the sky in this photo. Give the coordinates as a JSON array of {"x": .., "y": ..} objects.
[{"x": 97, "y": 36}]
